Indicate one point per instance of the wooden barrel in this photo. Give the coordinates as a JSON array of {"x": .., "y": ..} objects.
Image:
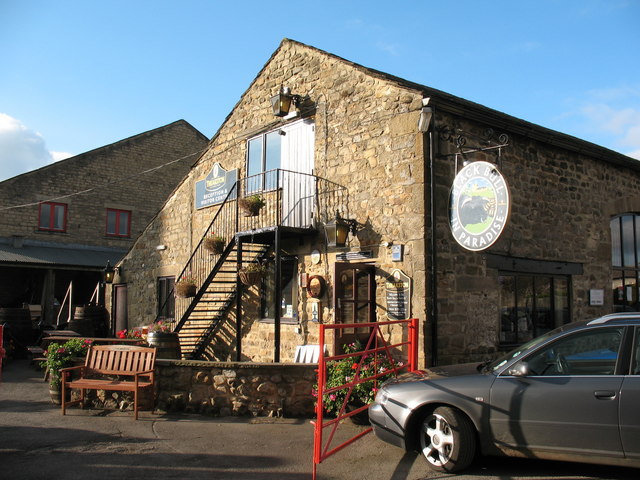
[
  {"x": 167, "y": 344},
  {"x": 18, "y": 326},
  {"x": 89, "y": 321}
]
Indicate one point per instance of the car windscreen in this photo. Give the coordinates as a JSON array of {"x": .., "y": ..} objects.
[{"x": 520, "y": 350}]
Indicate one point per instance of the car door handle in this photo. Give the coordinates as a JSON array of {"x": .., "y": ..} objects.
[{"x": 604, "y": 394}]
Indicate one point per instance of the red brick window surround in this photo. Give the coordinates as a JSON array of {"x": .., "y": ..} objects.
[
  {"x": 118, "y": 223},
  {"x": 52, "y": 217}
]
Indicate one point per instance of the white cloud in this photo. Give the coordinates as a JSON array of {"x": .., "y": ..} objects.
[
  {"x": 22, "y": 149},
  {"x": 613, "y": 113}
]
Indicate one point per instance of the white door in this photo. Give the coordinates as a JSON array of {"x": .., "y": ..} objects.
[{"x": 298, "y": 189}]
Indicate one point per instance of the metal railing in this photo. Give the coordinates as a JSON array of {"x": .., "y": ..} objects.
[{"x": 291, "y": 199}]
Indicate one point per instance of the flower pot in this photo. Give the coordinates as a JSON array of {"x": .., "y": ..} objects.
[
  {"x": 55, "y": 393},
  {"x": 250, "y": 278},
  {"x": 214, "y": 244},
  {"x": 185, "y": 289},
  {"x": 250, "y": 206}
]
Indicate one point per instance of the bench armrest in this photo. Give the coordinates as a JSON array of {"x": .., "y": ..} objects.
[{"x": 69, "y": 369}]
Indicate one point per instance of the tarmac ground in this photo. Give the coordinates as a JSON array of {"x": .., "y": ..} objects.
[{"x": 37, "y": 442}]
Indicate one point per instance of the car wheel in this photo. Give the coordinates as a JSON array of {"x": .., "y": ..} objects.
[{"x": 448, "y": 440}]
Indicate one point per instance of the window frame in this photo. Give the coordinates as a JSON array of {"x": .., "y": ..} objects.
[
  {"x": 556, "y": 315},
  {"x": 266, "y": 300},
  {"x": 118, "y": 213},
  {"x": 164, "y": 288},
  {"x": 259, "y": 179},
  {"x": 52, "y": 216},
  {"x": 626, "y": 277}
]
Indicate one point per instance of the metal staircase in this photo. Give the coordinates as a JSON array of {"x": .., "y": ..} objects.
[{"x": 295, "y": 203}]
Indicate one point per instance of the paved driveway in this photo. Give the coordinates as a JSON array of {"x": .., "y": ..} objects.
[{"x": 37, "y": 442}]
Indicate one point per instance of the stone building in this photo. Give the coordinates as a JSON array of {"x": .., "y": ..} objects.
[
  {"x": 487, "y": 228},
  {"x": 62, "y": 223}
]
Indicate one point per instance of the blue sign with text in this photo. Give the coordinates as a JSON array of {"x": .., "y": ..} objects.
[{"x": 215, "y": 187}]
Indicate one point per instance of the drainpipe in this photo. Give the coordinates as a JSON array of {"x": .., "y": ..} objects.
[{"x": 426, "y": 124}]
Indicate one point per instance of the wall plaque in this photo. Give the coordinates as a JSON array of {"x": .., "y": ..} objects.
[
  {"x": 398, "y": 290},
  {"x": 215, "y": 187}
]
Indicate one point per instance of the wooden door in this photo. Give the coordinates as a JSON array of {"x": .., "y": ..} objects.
[{"x": 354, "y": 301}]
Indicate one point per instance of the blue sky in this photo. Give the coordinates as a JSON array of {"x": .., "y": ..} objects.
[{"x": 79, "y": 74}]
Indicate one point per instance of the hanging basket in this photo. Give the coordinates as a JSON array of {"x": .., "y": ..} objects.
[
  {"x": 250, "y": 277},
  {"x": 214, "y": 244},
  {"x": 185, "y": 289},
  {"x": 251, "y": 206}
]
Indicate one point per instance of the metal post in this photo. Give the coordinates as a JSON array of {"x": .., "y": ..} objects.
[
  {"x": 278, "y": 297},
  {"x": 239, "y": 288}
]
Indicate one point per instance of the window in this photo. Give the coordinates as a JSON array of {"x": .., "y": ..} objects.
[
  {"x": 288, "y": 300},
  {"x": 625, "y": 260},
  {"x": 53, "y": 217},
  {"x": 118, "y": 223},
  {"x": 166, "y": 301},
  {"x": 594, "y": 352},
  {"x": 264, "y": 154},
  {"x": 289, "y": 148},
  {"x": 531, "y": 305}
]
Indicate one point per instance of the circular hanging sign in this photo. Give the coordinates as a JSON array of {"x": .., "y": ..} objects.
[{"x": 479, "y": 206}]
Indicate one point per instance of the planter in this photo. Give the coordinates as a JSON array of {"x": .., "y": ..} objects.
[
  {"x": 250, "y": 278},
  {"x": 185, "y": 289},
  {"x": 167, "y": 344},
  {"x": 55, "y": 393},
  {"x": 251, "y": 206},
  {"x": 214, "y": 244}
]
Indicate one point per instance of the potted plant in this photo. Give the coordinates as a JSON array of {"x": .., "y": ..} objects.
[
  {"x": 167, "y": 343},
  {"x": 185, "y": 287},
  {"x": 251, "y": 205},
  {"x": 62, "y": 356},
  {"x": 342, "y": 372},
  {"x": 214, "y": 243},
  {"x": 252, "y": 274}
]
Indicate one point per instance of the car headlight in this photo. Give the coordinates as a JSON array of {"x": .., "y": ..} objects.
[{"x": 382, "y": 396}]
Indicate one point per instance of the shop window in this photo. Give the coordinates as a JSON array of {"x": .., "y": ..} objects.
[
  {"x": 166, "y": 301},
  {"x": 118, "y": 223},
  {"x": 531, "y": 305},
  {"x": 625, "y": 259},
  {"x": 289, "y": 285},
  {"x": 52, "y": 217}
]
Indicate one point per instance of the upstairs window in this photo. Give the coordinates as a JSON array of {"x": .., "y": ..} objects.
[
  {"x": 118, "y": 223},
  {"x": 290, "y": 148},
  {"x": 52, "y": 217},
  {"x": 263, "y": 155}
]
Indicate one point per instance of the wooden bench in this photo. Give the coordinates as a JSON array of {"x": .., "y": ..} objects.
[{"x": 104, "y": 367}]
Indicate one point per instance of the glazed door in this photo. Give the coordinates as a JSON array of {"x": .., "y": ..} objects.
[{"x": 354, "y": 301}]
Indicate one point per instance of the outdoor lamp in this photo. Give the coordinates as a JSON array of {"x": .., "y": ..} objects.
[
  {"x": 108, "y": 273},
  {"x": 338, "y": 229},
  {"x": 281, "y": 102}
]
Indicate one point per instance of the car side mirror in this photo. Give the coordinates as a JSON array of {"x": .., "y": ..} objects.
[{"x": 520, "y": 369}]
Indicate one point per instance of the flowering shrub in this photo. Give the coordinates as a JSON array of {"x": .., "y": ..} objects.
[
  {"x": 160, "y": 327},
  {"x": 129, "y": 334},
  {"x": 341, "y": 372},
  {"x": 61, "y": 356}
]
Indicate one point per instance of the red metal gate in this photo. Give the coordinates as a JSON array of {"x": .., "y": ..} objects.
[{"x": 377, "y": 347}]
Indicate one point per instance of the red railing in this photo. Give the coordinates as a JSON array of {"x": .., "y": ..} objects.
[{"x": 376, "y": 346}]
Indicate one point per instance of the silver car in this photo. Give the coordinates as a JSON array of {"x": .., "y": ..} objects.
[{"x": 571, "y": 394}]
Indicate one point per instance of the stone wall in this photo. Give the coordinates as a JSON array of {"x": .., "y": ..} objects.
[{"x": 225, "y": 389}]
